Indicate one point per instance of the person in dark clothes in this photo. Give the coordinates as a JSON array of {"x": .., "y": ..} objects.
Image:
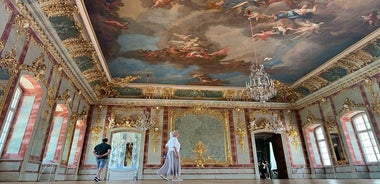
[{"x": 101, "y": 152}]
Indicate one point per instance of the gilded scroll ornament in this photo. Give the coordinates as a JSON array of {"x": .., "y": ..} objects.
[
  {"x": 349, "y": 105},
  {"x": 58, "y": 8},
  {"x": 10, "y": 63},
  {"x": 149, "y": 92},
  {"x": 241, "y": 132},
  {"x": 229, "y": 95},
  {"x": 24, "y": 24},
  {"x": 117, "y": 122},
  {"x": 271, "y": 124},
  {"x": 199, "y": 149},
  {"x": 375, "y": 104},
  {"x": 167, "y": 93},
  {"x": 156, "y": 131},
  {"x": 286, "y": 93},
  {"x": 292, "y": 132},
  {"x": 95, "y": 130},
  {"x": 38, "y": 68},
  {"x": 331, "y": 124},
  {"x": 122, "y": 82}
]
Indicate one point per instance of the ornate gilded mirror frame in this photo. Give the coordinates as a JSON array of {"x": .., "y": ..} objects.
[{"x": 211, "y": 144}]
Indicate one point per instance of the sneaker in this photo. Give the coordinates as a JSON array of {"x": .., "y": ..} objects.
[
  {"x": 96, "y": 179},
  {"x": 164, "y": 178}
]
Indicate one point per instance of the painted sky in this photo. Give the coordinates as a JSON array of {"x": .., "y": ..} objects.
[{"x": 296, "y": 45}]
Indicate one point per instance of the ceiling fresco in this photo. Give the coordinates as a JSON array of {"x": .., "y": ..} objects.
[{"x": 213, "y": 43}]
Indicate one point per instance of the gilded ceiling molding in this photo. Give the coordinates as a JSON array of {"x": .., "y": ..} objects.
[
  {"x": 79, "y": 47},
  {"x": 107, "y": 89},
  {"x": 149, "y": 92},
  {"x": 341, "y": 85},
  {"x": 58, "y": 7},
  {"x": 229, "y": 94},
  {"x": 93, "y": 75},
  {"x": 29, "y": 15},
  {"x": 122, "y": 82},
  {"x": 315, "y": 83},
  {"x": 192, "y": 103},
  {"x": 285, "y": 93},
  {"x": 354, "y": 61}
]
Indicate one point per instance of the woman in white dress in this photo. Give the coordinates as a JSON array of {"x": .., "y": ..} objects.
[{"x": 172, "y": 165}]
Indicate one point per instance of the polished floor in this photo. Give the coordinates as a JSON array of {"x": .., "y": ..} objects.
[{"x": 274, "y": 181}]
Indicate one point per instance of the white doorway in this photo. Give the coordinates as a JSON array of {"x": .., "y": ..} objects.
[{"x": 124, "y": 159}]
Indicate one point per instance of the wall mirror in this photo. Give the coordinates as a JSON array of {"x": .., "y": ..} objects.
[
  {"x": 337, "y": 147},
  {"x": 335, "y": 141}
]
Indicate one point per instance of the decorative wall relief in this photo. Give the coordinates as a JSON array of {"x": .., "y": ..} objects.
[
  {"x": 207, "y": 129},
  {"x": 375, "y": 103},
  {"x": 350, "y": 105},
  {"x": 97, "y": 128},
  {"x": 292, "y": 131},
  {"x": 241, "y": 131}
]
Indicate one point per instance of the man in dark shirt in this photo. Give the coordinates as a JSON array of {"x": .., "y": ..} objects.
[{"x": 101, "y": 152}]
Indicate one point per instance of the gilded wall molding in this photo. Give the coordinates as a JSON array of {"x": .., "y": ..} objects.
[{"x": 201, "y": 158}]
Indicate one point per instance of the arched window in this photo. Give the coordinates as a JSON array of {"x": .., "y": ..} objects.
[
  {"x": 322, "y": 145},
  {"x": 57, "y": 134},
  {"x": 366, "y": 138},
  {"x": 317, "y": 146},
  {"x": 20, "y": 118},
  {"x": 9, "y": 117}
]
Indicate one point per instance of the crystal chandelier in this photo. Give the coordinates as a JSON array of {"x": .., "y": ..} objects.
[
  {"x": 260, "y": 87},
  {"x": 143, "y": 121}
]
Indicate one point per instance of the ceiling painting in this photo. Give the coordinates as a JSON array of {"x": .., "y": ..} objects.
[{"x": 213, "y": 43}]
